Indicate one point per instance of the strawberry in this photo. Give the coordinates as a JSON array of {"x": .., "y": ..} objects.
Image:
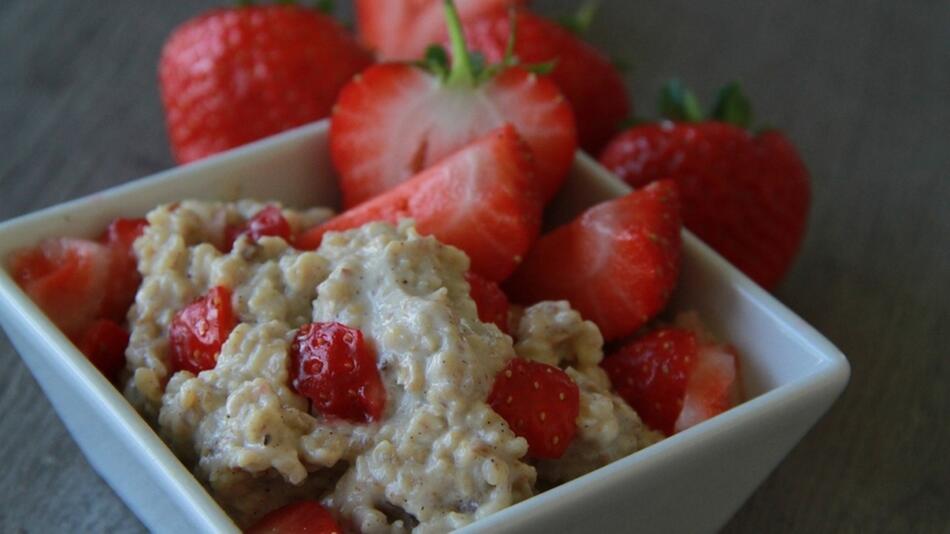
[
  {"x": 400, "y": 30},
  {"x": 332, "y": 366},
  {"x": 304, "y": 517},
  {"x": 67, "y": 278},
  {"x": 540, "y": 403},
  {"x": 397, "y": 119},
  {"x": 589, "y": 81},
  {"x": 198, "y": 331},
  {"x": 234, "y": 75},
  {"x": 617, "y": 263},
  {"x": 124, "y": 277},
  {"x": 673, "y": 378},
  {"x": 104, "y": 343},
  {"x": 269, "y": 221},
  {"x": 479, "y": 199},
  {"x": 746, "y": 195},
  {"x": 490, "y": 300}
]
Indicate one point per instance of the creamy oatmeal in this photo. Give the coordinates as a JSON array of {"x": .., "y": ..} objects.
[{"x": 438, "y": 458}]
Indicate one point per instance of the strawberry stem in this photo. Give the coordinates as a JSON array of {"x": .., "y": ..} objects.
[{"x": 461, "y": 71}]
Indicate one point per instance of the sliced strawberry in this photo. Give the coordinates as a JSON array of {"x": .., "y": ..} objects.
[
  {"x": 394, "y": 120},
  {"x": 304, "y": 517},
  {"x": 617, "y": 263},
  {"x": 674, "y": 379},
  {"x": 590, "y": 82},
  {"x": 104, "y": 343},
  {"x": 124, "y": 277},
  {"x": 269, "y": 221},
  {"x": 490, "y": 299},
  {"x": 198, "y": 331},
  {"x": 67, "y": 278},
  {"x": 540, "y": 403},
  {"x": 331, "y": 365},
  {"x": 479, "y": 199},
  {"x": 400, "y": 30}
]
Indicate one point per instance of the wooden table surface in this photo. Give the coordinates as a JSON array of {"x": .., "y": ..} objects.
[{"x": 861, "y": 87}]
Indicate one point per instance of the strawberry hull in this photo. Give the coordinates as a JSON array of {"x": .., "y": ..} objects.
[{"x": 791, "y": 373}]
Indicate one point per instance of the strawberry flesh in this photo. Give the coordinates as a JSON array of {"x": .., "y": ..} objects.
[
  {"x": 304, "y": 517},
  {"x": 491, "y": 301},
  {"x": 104, "y": 343},
  {"x": 673, "y": 378},
  {"x": 480, "y": 199},
  {"x": 332, "y": 366},
  {"x": 617, "y": 263},
  {"x": 269, "y": 222},
  {"x": 540, "y": 403},
  {"x": 198, "y": 331}
]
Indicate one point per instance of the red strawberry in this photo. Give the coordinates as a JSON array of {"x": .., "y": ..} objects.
[
  {"x": 198, "y": 331},
  {"x": 745, "y": 195},
  {"x": 304, "y": 517},
  {"x": 104, "y": 344},
  {"x": 674, "y": 379},
  {"x": 479, "y": 199},
  {"x": 400, "y": 30},
  {"x": 67, "y": 278},
  {"x": 540, "y": 403},
  {"x": 331, "y": 365},
  {"x": 124, "y": 277},
  {"x": 269, "y": 221},
  {"x": 589, "y": 81},
  {"x": 395, "y": 120},
  {"x": 235, "y": 75},
  {"x": 617, "y": 263},
  {"x": 490, "y": 299}
]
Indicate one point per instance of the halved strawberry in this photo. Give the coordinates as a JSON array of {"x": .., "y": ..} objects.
[
  {"x": 304, "y": 517},
  {"x": 491, "y": 301},
  {"x": 674, "y": 378},
  {"x": 540, "y": 403},
  {"x": 480, "y": 199},
  {"x": 67, "y": 278},
  {"x": 590, "y": 82},
  {"x": 400, "y": 30},
  {"x": 395, "y": 120},
  {"x": 617, "y": 263}
]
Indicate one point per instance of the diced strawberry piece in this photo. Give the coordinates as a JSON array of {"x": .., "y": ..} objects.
[
  {"x": 304, "y": 517},
  {"x": 269, "y": 222},
  {"x": 617, "y": 263},
  {"x": 540, "y": 403},
  {"x": 674, "y": 379},
  {"x": 67, "y": 278},
  {"x": 104, "y": 343},
  {"x": 480, "y": 199},
  {"x": 491, "y": 301},
  {"x": 400, "y": 30},
  {"x": 395, "y": 120},
  {"x": 331, "y": 365},
  {"x": 124, "y": 277},
  {"x": 198, "y": 331},
  {"x": 651, "y": 374},
  {"x": 713, "y": 386}
]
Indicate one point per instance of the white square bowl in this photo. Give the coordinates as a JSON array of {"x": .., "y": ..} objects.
[{"x": 691, "y": 482}]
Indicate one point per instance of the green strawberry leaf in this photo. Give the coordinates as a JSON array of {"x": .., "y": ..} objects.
[
  {"x": 679, "y": 103},
  {"x": 580, "y": 22},
  {"x": 436, "y": 61},
  {"x": 542, "y": 69},
  {"x": 732, "y": 106}
]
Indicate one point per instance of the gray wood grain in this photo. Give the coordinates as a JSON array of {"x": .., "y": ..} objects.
[{"x": 862, "y": 88}]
